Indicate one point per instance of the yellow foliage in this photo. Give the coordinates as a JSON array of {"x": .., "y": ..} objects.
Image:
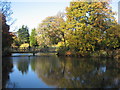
[
  {"x": 24, "y": 45},
  {"x": 60, "y": 44}
]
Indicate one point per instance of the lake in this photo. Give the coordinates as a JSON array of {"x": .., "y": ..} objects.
[{"x": 21, "y": 71}]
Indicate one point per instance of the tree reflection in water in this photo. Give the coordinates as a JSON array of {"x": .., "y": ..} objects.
[
  {"x": 74, "y": 72},
  {"x": 63, "y": 72},
  {"x": 7, "y": 66},
  {"x": 23, "y": 65}
]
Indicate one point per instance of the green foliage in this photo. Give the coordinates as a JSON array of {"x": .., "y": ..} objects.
[
  {"x": 23, "y": 34},
  {"x": 33, "y": 39}
]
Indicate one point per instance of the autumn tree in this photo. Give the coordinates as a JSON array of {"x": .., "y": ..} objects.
[
  {"x": 86, "y": 24},
  {"x": 16, "y": 41},
  {"x": 113, "y": 37},
  {"x": 42, "y": 37},
  {"x": 5, "y": 14},
  {"x": 49, "y": 30}
]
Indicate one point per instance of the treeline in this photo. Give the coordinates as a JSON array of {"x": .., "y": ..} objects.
[
  {"x": 22, "y": 38},
  {"x": 86, "y": 29}
]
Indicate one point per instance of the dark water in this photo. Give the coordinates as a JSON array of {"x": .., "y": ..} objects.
[{"x": 62, "y": 72}]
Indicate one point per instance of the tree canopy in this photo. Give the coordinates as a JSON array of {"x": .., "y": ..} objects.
[
  {"x": 23, "y": 34},
  {"x": 33, "y": 39},
  {"x": 86, "y": 25},
  {"x": 5, "y": 9},
  {"x": 5, "y": 14},
  {"x": 49, "y": 30}
]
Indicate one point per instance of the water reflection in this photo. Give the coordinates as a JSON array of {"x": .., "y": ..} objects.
[
  {"x": 22, "y": 66},
  {"x": 67, "y": 72},
  {"x": 6, "y": 69},
  {"x": 74, "y": 72}
]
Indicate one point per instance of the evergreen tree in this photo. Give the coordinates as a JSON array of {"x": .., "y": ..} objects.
[
  {"x": 33, "y": 40},
  {"x": 23, "y": 34}
]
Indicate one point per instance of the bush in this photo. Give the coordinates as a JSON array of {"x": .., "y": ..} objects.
[
  {"x": 100, "y": 53},
  {"x": 103, "y": 53},
  {"x": 60, "y": 44},
  {"x": 24, "y": 45},
  {"x": 62, "y": 51},
  {"x": 117, "y": 54}
]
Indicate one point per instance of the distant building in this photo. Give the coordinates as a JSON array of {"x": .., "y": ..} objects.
[{"x": 119, "y": 12}]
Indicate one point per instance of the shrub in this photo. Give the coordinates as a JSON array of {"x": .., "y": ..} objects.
[{"x": 24, "y": 45}]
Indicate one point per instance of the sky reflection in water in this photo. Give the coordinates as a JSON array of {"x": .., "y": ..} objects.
[{"x": 65, "y": 72}]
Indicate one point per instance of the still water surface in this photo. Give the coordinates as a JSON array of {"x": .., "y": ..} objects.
[{"x": 62, "y": 72}]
